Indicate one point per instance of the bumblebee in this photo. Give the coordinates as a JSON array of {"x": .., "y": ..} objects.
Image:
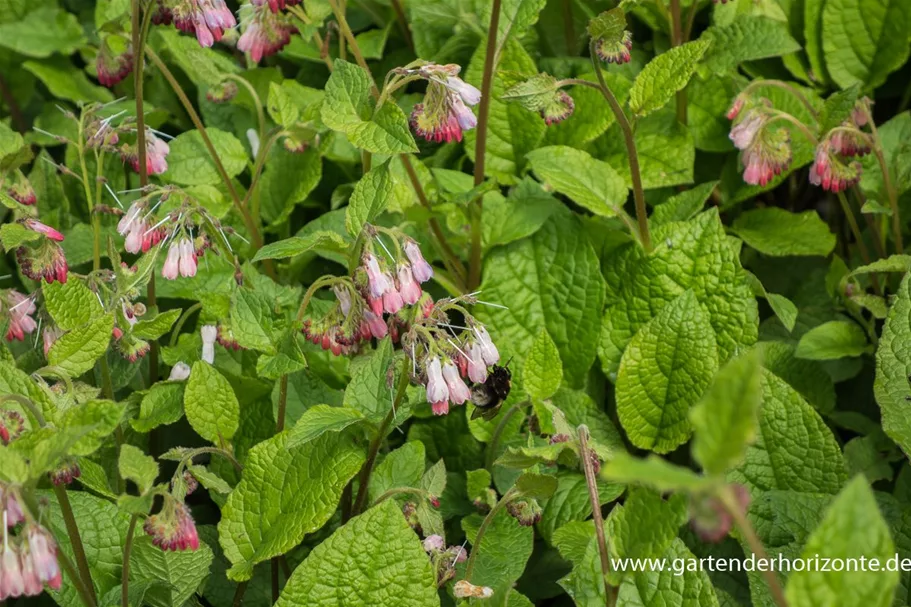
[{"x": 488, "y": 397}]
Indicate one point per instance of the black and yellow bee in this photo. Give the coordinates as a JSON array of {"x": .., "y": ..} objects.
[{"x": 488, "y": 397}]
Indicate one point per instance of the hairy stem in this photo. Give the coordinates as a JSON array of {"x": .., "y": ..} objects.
[
  {"x": 585, "y": 454},
  {"x": 282, "y": 403},
  {"x": 72, "y": 530},
  {"x": 569, "y": 27},
  {"x": 197, "y": 122},
  {"x": 257, "y": 102},
  {"x": 632, "y": 153},
  {"x": 476, "y": 208},
  {"x": 125, "y": 573},
  {"x": 476, "y": 545},
  {"x": 498, "y": 432},
  {"x": 749, "y": 535},
  {"x": 239, "y": 594},
  {"x": 855, "y": 230},
  {"x": 402, "y": 491},
  {"x": 374, "y": 449},
  {"x": 403, "y": 23},
  {"x": 182, "y": 321}
]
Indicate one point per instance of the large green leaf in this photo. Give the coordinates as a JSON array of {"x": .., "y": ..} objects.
[
  {"x": 376, "y": 191},
  {"x": 794, "y": 448},
  {"x": 667, "y": 587},
  {"x": 693, "y": 255},
  {"x": 178, "y": 573},
  {"x": 550, "y": 280},
  {"x": 283, "y": 495},
  {"x": 43, "y": 32},
  {"x": 893, "y": 367},
  {"x": 77, "y": 351},
  {"x": 865, "y": 40},
  {"x": 775, "y": 231},
  {"x": 375, "y": 560},
  {"x": 665, "y": 147},
  {"x": 664, "y": 371},
  {"x": 852, "y": 528},
  {"x": 71, "y": 304},
  {"x": 747, "y": 39},
  {"x": 210, "y": 403}
]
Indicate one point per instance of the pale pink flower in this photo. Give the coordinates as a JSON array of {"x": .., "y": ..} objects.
[
  {"x": 489, "y": 352},
  {"x": 408, "y": 287},
  {"x": 377, "y": 280},
  {"x": 20, "y": 311},
  {"x": 437, "y": 390},
  {"x": 434, "y": 542},
  {"x": 131, "y": 218},
  {"x": 50, "y": 335},
  {"x": 458, "y": 391},
  {"x": 36, "y": 226},
  {"x": 421, "y": 270},
  {"x": 187, "y": 263},
  {"x": 467, "y": 92},
  {"x": 392, "y": 301},
  {"x": 375, "y": 325},
  {"x": 43, "y": 551},
  {"x": 743, "y": 132},
  {"x": 11, "y": 583},
  {"x": 477, "y": 369},
  {"x": 172, "y": 262}
]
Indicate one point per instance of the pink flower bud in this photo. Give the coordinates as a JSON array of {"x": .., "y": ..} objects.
[
  {"x": 434, "y": 542},
  {"x": 36, "y": 226},
  {"x": 408, "y": 287}
]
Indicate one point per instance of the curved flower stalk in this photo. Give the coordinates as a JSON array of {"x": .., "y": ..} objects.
[{"x": 445, "y": 112}]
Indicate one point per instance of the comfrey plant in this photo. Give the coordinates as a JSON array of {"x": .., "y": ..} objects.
[{"x": 454, "y": 303}]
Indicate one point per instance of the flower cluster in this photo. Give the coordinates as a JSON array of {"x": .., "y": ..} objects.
[
  {"x": 765, "y": 152},
  {"x": 172, "y": 528},
  {"x": 444, "y": 113},
  {"x": 207, "y": 19},
  {"x": 615, "y": 51},
  {"x": 266, "y": 33},
  {"x": 181, "y": 259},
  {"x": 443, "y": 362},
  {"x": 378, "y": 288},
  {"x": 113, "y": 65},
  {"x": 526, "y": 512},
  {"x": 18, "y": 309},
  {"x": 29, "y": 560},
  {"x": 66, "y": 472},
  {"x": 11, "y": 426},
  {"x": 833, "y": 167},
  {"x": 20, "y": 189},
  {"x": 443, "y": 559}
]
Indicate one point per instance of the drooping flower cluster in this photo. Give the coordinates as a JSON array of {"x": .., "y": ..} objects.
[
  {"x": 44, "y": 259},
  {"x": 765, "y": 152},
  {"x": 266, "y": 33},
  {"x": 135, "y": 226},
  {"x": 11, "y": 427},
  {"x": 615, "y": 51},
  {"x": 172, "y": 528},
  {"x": 207, "y": 19},
  {"x": 444, "y": 114},
  {"x": 833, "y": 167},
  {"x": 66, "y": 472},
  {"x": 20, "y": 189},
  {"x": 443, "y": 559},
  {"x": 29, "y": 559},
  {"x": 526, "y": 511},
  {"x": 181, "y": 259},
  {"x": 114, "y": 61},
  {"x": 378, "y": 288},
  {"x": 542, "y": 93},
  {"x": 18, "y": 310}
]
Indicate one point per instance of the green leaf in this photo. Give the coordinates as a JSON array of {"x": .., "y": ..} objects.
[
  {"x": 376, "y": 191},
  {"x": 865, "y": 40},
  {"x": 693, "y": 255},
  {"x": 683, "y": 206},
  {"x": 283, "y": 495},
  {"x": 590, "y": 183},
  {"x": 571, "y": 502},
  {"x": 343, "y": 568},
  {"x": 290, "y": 247},
  {"x": 747, "y": 39},
  {"x": 209, "y": 479},
  {"x": 543, "y": 369},
  {"x": 162, "y": 405},
  {"x": 725, "y": 420},
  {"x": 319, "y": 419},
  {"x": 665, "y": 75},
  {"x": 556, "y": 275},
  {"x": 189, "y": 162},
  {"x": 654, "y": 588},
  {"x": 664, "y": 370},
  {"x": 13, "y": 235},
  {"x": 503, "y": 553},
  {"x": 832, "y": 340},
  {"x": 43, "y": 32},
  {"x": 251, "y": 320},
  {"x": 838, "y": 108},
  {"x": 666, "y": 151},
  {"x": 434, "y": 479},
  {"x": 153, "y": 328},
  {"x": 652, "y": 471},
  {"x": 76, "y": 352},
  {"x": 516, "y": 16},
  {"x": 347, "y": 109},
  {"x": 368, "y": 391},
  {"x": 778, "y": 232},
  {"x": 893, "y": 367},
  {"x": 520, "y": 214},
  {"x": 182, "y": 572},
  {"x": 537, "y": 486},
  {"x": 211, "y": 406},
  {"x": 289, "y": 101},
  {"x": 138, "y": 467},
  {"x": 794, "y": 449},
  {"x": 403, "y": 467},
  {"x": 852, "y": 528},
  {"x": 65, "y": 81},
  {"x": 288, "y": 179},
  {"x": 71, "y": 304},
  {"x": 202, "y": 65},
  {"x": 644, "y": 526},
  {"x": 609, "y": 25},
  {"x": 102, "y": 529},
  {"x": 98, "y": 417},
  {"x": 808, "y": 377}
]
